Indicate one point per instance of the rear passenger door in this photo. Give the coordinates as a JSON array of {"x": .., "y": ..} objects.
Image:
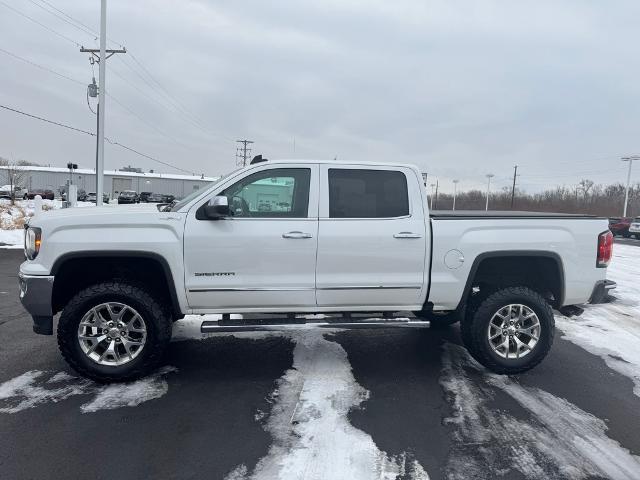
[{"x": 371, "y": 238}]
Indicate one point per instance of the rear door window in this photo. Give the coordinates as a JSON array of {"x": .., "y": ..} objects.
[{"x": 361, "y": 193}]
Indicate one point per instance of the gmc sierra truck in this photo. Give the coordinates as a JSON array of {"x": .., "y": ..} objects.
[{"x": 300, "y": 237}]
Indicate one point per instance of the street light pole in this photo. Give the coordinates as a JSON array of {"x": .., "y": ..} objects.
[
  {"x": 101, "y": 101},
  {"x": 489, "y": 177},
  {"x": 455, "y": 188},
  {"x": 626, "y": 193}
]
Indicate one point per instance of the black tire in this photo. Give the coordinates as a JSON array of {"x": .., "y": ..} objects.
[
  {"x": 156, "y": 317},
  {"x": 475, "y": 326},
  {"x": 439, "y": 320}
]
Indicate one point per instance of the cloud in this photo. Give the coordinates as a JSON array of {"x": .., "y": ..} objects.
[{"x": 458, "y": 87}]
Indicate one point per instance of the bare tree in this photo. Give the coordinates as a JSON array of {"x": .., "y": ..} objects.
[{"x": 15, "y": 177}]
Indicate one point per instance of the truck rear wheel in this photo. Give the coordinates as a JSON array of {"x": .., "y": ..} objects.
[
  {"x": 510, "y": 331},
  {"x": 114, "y": 331}
]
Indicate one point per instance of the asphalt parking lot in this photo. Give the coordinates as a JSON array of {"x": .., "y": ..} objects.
[{"x": 322, "y": 405}]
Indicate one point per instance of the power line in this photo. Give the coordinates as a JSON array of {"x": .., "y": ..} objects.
[
  {"x": 180, "y": 108},
  {"x": 41, "y": 67},
  {"x": 55, "y": 32},
  {"x": 89, "y": 29},
  {"x": 125, "y": 107},
  {"x": 112, "y": 142},
  {"x": 73, "y": 23}
]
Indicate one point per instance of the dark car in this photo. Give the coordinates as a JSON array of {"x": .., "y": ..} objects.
[
  {"x": 168, "y": 198},
  {"x": 128, "y": 196},
  {"x": 144, "y": 196},
  {"x": 156, "y": 198},
  {"x": 620, "y": 226},
  {"x": 44, "y": 193}
]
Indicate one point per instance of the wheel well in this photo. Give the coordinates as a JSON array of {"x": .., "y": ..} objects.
[
  {"x": 76, "y": 273},
  {"x": 542, "y": 273}
]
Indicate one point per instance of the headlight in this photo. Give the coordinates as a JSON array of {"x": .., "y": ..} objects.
[{"x": 32, "y": 240}]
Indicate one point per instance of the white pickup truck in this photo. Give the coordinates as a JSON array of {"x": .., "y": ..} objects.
[{"x": 300, "y": 237}]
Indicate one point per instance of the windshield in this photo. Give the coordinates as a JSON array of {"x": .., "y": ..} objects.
[{"x": 199, "y": 192}]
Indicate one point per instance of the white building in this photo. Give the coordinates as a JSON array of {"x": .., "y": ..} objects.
[{"x": 115, "y": 181}]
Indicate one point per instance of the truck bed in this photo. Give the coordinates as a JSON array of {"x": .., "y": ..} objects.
[{"x": 507, "y": 214}]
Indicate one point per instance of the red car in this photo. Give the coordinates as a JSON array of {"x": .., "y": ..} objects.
[
  {"x": 620, "y": 226},
  {"x": 45, "y": 194}
]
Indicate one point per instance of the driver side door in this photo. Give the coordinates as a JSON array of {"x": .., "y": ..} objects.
[{"x": 263, "y": 257}]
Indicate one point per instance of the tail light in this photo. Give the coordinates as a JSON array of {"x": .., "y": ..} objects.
[{"x": 605, "y": 249}]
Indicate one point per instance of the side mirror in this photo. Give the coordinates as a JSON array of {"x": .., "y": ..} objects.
[{"x": 217, "y": 208}]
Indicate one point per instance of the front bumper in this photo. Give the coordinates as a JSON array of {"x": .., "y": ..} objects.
[{"x": 36, "y": 293}]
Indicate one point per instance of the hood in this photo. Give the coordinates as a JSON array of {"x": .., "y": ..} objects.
[{"x": 92, "y": 214}]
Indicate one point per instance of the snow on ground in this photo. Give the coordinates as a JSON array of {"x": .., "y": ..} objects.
[
  {"x": 33, "y": 388},
  {"x": 612, "y": 330},
  {"x": 312, "y": 437},
  {"x": 559, "y": 440}
]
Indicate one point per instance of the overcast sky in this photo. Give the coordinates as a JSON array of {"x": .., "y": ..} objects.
[{"x": 459, "y": 87}]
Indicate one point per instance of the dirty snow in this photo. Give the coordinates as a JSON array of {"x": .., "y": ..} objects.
[
  {"x": 13, "y": 217},
  {"x": 558, "y": 440},
  {"x": 132, "y": 394},
  {"x": 312, "y": 437},
  {"x": 35, "y": 388},
  {"x": 612, "y": 330}
]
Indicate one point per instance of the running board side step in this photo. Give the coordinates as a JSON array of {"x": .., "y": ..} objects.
[{"x": 271, "y": 325}]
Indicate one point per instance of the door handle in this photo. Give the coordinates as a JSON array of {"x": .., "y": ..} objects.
[
  {"x": 407, "y": 235},
  {"x": 296, "y": 234}
]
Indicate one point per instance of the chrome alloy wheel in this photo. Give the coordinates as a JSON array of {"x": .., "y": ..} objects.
[
  {"x": 112, "y": 334},
  {"x": 513, "y": 331}
]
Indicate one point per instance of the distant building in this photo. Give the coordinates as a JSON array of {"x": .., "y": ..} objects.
[{"x": 115, "y": 181}]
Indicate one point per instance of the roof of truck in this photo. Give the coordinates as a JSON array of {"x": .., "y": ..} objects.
[{"x": 338, "y": 162}]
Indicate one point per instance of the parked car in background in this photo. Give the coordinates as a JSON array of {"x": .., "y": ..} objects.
[
  {"x": 620, "y": 226},
  {"x": 20, "y": 193},
  {"x": 92, "y": 197},
  {"x": 156, "y": 198},
  {"x": 81, "y": 196},
  {"x": 168, "y": 198},
  {"x": 634, "y": 228},
  {"x": 128, "y": 196},
  {"x": 46, "y": 194},
  {"x": 144, "y": 196}
]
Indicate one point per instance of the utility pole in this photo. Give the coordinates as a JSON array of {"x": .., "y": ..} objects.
[
  {"x": 626, "y": 193},
  {"x": 102, "y": 64},
  {"x": 513, "y": 189},
  {"x": 489, "y": 177},
  {"x": 455, "y": 188},
  {"x": 437, "y": 185},
  {"x": 433, "y": 186},
  {"x": 243, "y": 152}
]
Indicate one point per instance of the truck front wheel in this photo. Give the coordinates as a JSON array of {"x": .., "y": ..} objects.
[
  {"x": 510, "y": 331},
  {"x": 114, "y": 331}
]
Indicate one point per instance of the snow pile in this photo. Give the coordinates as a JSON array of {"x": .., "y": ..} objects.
[
  {"x": 13, "y": 218},
  {"x": 612, "y": 330}
]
